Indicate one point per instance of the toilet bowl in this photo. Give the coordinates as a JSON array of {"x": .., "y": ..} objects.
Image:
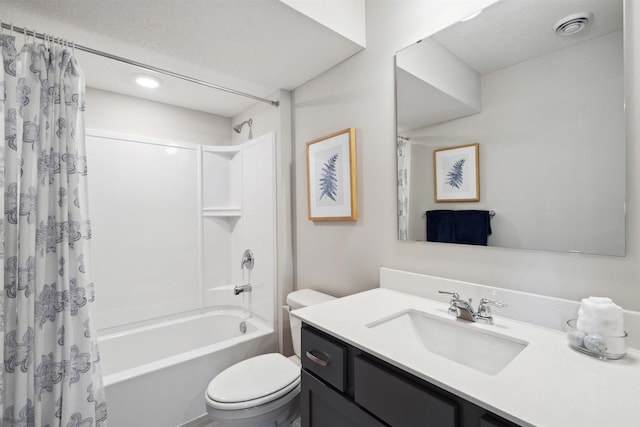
[{"x": 263, "y": 390}]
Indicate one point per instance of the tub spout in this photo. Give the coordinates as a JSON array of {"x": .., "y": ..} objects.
[{"x": 238, "y": 289}]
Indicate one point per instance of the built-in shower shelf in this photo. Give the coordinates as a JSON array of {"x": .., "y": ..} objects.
[{"x": 230, "y": 211}]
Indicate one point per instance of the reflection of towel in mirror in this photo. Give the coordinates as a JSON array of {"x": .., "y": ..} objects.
[
  {"x": 471, "y": 227},
  {"x": 440, "y": 226}
]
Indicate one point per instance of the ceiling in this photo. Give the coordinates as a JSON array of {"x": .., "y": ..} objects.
[
  {"x": 513, "y": 31},
  {"x": 252, "y": 46}
]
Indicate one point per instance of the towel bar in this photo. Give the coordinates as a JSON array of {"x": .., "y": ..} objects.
[{"x": 492, "y": 213}]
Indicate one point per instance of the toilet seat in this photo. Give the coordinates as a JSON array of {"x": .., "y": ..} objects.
[{"x": 253, "y": 382}]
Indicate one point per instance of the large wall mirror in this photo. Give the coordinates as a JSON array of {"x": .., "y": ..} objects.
[{"x": 545, "y": 107}]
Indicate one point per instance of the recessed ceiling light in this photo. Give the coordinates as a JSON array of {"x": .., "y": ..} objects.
[
  {"x": 145, "y": 80},
  {"x": 470, "y": 17}
]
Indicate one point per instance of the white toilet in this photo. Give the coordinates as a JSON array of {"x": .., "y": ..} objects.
[{"x": 263, "y": 390}]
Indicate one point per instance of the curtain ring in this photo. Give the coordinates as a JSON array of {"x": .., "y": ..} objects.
[{"x": 24, "y": 32}]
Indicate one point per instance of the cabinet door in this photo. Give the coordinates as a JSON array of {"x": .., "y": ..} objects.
[
  {"x": 321, "y": 406},
  {"x": 398, "y": 401}
]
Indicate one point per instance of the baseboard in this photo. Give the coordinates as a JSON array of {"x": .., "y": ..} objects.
[{"x": 201, "y": 421}]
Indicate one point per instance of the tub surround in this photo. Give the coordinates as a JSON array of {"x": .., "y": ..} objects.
[{"x": 547, "y": 384}]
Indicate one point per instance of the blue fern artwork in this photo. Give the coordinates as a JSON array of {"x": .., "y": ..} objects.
[
  {"x": 455, "y": 175},
  {"x": 329, "y": 179}
]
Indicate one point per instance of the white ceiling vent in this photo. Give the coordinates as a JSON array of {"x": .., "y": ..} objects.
[{"x": 572, "y": 24}]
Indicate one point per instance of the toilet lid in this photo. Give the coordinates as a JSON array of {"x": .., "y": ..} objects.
[{"x": 254, "y": 381}]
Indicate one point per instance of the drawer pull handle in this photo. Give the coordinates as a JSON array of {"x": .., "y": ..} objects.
[{"x": 315, "y": 359}]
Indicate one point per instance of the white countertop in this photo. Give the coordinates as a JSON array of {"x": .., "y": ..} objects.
[{"x": 547, "y": 384}]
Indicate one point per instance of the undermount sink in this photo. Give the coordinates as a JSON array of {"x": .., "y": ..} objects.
[{"x": 454, "y": 339}]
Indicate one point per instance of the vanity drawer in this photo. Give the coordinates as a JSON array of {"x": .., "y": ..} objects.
[
  {"x": 398, "y": 401},
  {"x": 325, "y": 357}
]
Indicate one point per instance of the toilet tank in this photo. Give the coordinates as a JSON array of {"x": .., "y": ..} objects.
[{"x": 300, "y": 299}]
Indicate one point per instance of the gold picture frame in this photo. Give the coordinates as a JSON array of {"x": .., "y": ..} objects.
[
  {"x": 457, "y": 173},
  {"x": 331, "y": 177}
]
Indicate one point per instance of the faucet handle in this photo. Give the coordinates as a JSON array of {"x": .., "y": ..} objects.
[
  {"x": 453, "y": 310},
  {"x": 484, "y": 309},
  {"x": 454, "y": 295}
]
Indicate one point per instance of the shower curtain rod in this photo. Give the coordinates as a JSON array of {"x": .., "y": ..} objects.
[{"x": 140, "y": 65}]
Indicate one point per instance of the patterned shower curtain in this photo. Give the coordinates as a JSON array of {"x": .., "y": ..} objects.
[
  {"x": 404, "y": 165},
  {"x": 51, "y": 372}
]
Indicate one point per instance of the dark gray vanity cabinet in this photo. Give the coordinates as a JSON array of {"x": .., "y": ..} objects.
[{"x": 343, "y": 386}]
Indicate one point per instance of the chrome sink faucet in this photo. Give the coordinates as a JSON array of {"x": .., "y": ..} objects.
[{"x": 463, "y": 310}]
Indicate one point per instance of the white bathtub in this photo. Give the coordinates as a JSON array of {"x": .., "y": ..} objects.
[{"x": 155, "y": 375}]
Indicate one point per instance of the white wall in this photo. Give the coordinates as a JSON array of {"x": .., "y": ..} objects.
[
  {"x": 550, "y": 151},
  {"x": 437, "y": 66},
  {"x": 343, "y": 257},
  {"x": 113, "y": 112},
  {"x": 345, "y": 17}
]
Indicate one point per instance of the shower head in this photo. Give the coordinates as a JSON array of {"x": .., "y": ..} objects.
[{"x": 238, "y": 128}]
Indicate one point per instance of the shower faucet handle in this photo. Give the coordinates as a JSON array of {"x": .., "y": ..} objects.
[{"x": 248, "y": 260}]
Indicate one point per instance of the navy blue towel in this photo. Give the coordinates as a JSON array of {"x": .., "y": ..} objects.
[
  {"x": 440, "y": 226},
  {"x": 470, "y": 227}
]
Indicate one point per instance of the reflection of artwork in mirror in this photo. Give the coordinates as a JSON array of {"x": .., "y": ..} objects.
[
  {"x": 457, "y": 174},
  {"x": 549, "y": 110},
  {"x": 331, "y": 177}
]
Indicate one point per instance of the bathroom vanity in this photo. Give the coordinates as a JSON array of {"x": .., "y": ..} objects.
[
  {"x": 345, "y": 386},
  {"x": 389, "y": 358}
]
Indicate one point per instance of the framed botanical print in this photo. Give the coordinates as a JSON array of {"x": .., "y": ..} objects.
[
  {"x": 457, "y": 174},
  {"x": 331, "y": 177}
]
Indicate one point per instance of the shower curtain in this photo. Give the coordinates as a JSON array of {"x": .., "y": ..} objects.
[
  {"x": 51, "y": 371},
  {"x": 404, "y": 164}
]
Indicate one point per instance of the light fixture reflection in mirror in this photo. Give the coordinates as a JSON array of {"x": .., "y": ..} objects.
[{"x": 546, "y": 110}]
